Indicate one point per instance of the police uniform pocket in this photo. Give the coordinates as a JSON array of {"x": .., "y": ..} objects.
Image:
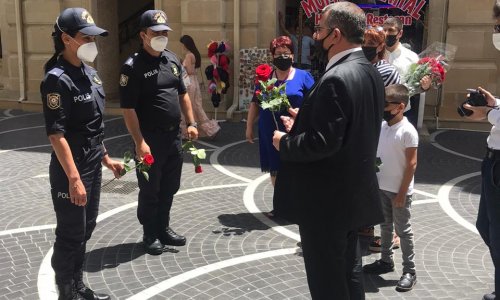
[
  {"x": 495, "y": 174},
  {"x": 84, "y": 106}
]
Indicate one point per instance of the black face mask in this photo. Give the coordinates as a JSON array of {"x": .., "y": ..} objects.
[
  {"x": 370, "y": 52},
  {"x": 282, "y": 63},
  {"x": 388, "y": 116},
  {"x": 391, "y": 40},
  {"x": 322, "y": 52}
]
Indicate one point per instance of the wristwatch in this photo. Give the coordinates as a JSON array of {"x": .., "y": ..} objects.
[{"x": 194, "y": 124}]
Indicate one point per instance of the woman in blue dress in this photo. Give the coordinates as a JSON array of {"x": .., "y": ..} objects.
[{"x": 298, "y": 82}]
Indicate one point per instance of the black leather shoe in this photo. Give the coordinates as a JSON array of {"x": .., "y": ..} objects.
[
  {"x": 89, "y": 294},
  {"x": 169, "y": 237},
  {"x": 152, "y": 245},
  {"x": 406, "y": 282},
  {"x": 67, "y": 291},
  {"x": 379, "y": 267},
  {"x": 491, "y": 296}
]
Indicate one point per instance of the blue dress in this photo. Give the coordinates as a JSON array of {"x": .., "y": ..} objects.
[{"x": 296, "y": 89}]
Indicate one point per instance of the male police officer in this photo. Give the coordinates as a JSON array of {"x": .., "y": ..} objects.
[{"x": 152, "y": 94}]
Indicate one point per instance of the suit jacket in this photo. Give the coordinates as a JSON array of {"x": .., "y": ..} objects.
[{"x": 327, "y": 171}]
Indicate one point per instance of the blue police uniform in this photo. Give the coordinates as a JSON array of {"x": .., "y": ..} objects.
[
  {"x": 73, "y": 105},
  {"x": 152, "y": 85}
]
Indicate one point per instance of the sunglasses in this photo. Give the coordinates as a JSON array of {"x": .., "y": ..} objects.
[
  {"x": 387, "y": 103},
  {"x": 376, "y": 28},
  {"x": 496, "y": 28}
]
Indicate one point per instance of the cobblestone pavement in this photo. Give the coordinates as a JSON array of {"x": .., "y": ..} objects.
[{"x": 233, "y": 250}]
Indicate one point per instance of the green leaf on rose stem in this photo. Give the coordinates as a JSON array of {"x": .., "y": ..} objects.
[
  {"x": 127, "y": 157},
  {"x": 272, "y": 81},
  {"x": 202, "y": 154},
  {"x": 146, "y": 175},
  {"x": 187, "y": 145},
  {"x": 265, "y": 105},
  {"x": 127, "y": 167}
]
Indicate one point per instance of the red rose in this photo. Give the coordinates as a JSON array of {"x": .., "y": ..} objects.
[
  {"x": 258, "y": 93},
  {"x": 148, "y": 159},
  {"x": 270, "y": 87},
  {"x": 262, "y": 72},
  {"x": 198, "y": 169}
]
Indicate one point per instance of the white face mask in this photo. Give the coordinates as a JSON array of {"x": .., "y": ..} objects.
[
  {"x": 159, "y": 43},
  {"x": 496, "y": 40},
  {"x": 87, "y": 52}
]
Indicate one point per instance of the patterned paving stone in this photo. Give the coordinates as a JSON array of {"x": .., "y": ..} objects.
[{"x": 452, "y": 262}]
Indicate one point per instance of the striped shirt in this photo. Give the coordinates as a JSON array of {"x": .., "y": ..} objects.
[{"x": 389, "y": 73}]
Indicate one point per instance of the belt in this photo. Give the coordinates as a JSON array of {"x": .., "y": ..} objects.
[
  {"x": 492, "y": 154},
  {"x": 165, "y": 129},
  {"x": 80, "y": 140}
]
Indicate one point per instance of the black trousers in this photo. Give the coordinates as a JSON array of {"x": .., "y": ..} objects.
[
  {"x": 157, "y": 194},
  {"x": 75, "y": 224},
  {"x": 412, "y": 114},
  {"x": 332, "y": 263},
  {"x": 488, "y": 216}
]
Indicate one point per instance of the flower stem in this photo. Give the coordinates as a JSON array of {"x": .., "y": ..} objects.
[{"x": 275, "y": 122}]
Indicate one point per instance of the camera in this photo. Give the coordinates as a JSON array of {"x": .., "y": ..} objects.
[{"x": 475, "y": 99}]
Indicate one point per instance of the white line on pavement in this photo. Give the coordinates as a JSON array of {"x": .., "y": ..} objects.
[
  {"x": 214, "y": 161},
  {"x": 437, "y": 145},
  {"x": 46, "y": 284},
  {"x": 48, "y": 145},
  {"x": 444, "y": 201},
  {"x": 20, "y": 129},
  {"x": 206, "y": 144},
  {"x": 424, "y": 193},
  {"x": 18, "y": 116},
  {"x": 7, "y": 113},
  {"x": 425, "y": 201},
  {"x": 249, "y": 201},
  {"x": 171, "y": 282}
]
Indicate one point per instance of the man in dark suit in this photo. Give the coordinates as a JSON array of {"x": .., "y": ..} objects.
[{"x": 327, "y": 182}]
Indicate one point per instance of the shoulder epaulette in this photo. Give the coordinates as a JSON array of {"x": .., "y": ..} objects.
[
  {"x": 130, "y": 60},
  {"x": 56, "y": 72}
]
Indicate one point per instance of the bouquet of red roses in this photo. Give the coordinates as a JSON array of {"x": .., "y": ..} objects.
[
  {"x": 270, "y": 96},
  {"x": 435, "y": 62}
]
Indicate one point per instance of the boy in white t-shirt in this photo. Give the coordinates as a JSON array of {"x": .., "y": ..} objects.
[{"x": 397, "y": 148}]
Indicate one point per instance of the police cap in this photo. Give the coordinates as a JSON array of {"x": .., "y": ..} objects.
[
  {"x": 155, "y": 20},
  {"x": 78, "y": 19}
]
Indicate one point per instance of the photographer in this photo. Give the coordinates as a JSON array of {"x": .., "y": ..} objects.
[{"x": 488, "y": 218}]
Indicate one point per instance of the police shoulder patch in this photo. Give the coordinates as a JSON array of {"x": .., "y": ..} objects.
[
  {"x": 175, "y": 70},
  {"x": 53, "y": 100},
  {"x": 123, "y": 80}
]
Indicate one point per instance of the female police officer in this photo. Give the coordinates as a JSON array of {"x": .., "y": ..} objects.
[{"x": 73, "y": 101}]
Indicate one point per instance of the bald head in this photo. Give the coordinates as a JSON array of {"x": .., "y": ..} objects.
[{"x": 349, "y": 18}]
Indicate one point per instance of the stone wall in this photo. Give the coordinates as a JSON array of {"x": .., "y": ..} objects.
[{"x": 469, "y": 26}]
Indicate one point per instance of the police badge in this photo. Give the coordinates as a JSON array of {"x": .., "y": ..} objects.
[
  {"x": 175, "y": 70},
  {"x": 96, "y": 79},
  {"x": 53, "y": 100},
  {"x": 123, "y": 80}
]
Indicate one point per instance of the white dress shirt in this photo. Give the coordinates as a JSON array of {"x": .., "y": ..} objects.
[
  {"x": 402, "y": 58},
  {"x": 339, "y": 55}
]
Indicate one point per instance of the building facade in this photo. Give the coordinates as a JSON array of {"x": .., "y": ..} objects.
[{"x": 26, "y": 25}]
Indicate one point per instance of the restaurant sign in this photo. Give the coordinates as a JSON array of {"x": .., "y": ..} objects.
[{"x": 411, "y": 8}]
